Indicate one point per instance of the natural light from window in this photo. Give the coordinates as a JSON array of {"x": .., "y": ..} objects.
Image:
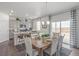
[{"x": 38, "y": 25}]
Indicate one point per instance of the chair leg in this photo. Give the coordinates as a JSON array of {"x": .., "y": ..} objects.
[
  {"x": 56, "y": 54},
  {"x": 53, "y": 54}
]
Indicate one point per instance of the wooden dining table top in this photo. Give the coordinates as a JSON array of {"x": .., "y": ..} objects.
[{"x": 41, "y": 45}]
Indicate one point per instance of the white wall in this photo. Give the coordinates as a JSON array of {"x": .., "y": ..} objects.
[{"x": 4, "y": 27}]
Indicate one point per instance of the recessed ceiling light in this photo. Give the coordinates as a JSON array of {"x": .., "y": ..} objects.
[{"x": 12, "y": 11}]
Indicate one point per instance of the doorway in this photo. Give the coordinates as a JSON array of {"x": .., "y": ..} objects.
[{"x": 62, "y": 27}]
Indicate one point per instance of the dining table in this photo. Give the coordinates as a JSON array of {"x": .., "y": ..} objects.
[{"x": 40, "y": 46}]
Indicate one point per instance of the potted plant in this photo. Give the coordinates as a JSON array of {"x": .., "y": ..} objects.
[
  {"x": 17, "y": 19},
  {"x": 44, "y": 37}
]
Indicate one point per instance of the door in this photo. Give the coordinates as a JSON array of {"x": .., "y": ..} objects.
[
  {"x": 65, "y": 29},
  {"x": 62, "y": 27}
]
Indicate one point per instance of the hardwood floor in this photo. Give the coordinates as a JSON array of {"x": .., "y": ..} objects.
[
  {"x": 75, "y": 52},
  {"x": 8, "y": 49}
]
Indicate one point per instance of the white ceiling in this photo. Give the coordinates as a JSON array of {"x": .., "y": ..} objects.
[{"x": 35, "y": 9}]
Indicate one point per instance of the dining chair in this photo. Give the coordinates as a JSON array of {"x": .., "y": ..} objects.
[
  {"x": 53, "y": 48},
  {"x": 60, "y": 41},
  {"x": 29, "y": 50}
]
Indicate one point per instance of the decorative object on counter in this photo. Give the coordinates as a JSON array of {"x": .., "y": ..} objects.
[
  {"x": 30, "y": 28},
  {"x": 22, "y": 26},
  {"x": 17, "y": 19},
  {"x": 25, "y": 20},
  {"x": 29, "y": 35},
  {"x": 20, "y": 36}
]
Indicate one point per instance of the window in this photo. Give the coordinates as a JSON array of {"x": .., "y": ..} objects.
[
  {"x": 57, "y": 27},
  {"x": 38, "y": 25},
  {"x": 62, "y": 27},
  {"x": 65, "y": 29},
  {"x": 53, "y": 26}
]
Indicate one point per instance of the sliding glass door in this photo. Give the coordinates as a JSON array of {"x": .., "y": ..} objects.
[
  {"x": 56, "y": 27},
  {"x": 62, "y": 27},
  {"x": 65, "y": 30},
  {"x": 53, "y": 27}
]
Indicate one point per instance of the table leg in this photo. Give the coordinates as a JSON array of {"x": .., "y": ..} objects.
[{"x": 40, "y": 52}]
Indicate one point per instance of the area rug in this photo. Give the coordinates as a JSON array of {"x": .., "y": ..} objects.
[{"x": 65, "y": 52}]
